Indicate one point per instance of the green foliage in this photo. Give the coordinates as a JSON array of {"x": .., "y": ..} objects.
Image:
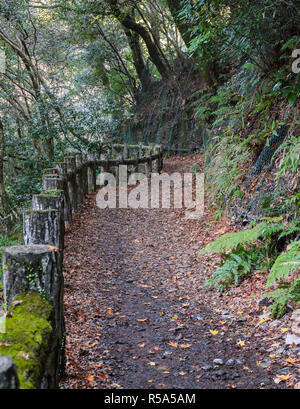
[
  {"x": 233, "y": 240},
  {"x": 241, "y": 260},
  {"x": 285, "y": 264},
  {"x": 236, "y": 266},
  {"x": 285, "y": 293},
  {"x": 290, "y": 156},
  {"x": 5, "y": 241}
]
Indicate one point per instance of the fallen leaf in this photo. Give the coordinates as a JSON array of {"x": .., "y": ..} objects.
[
  {"x": 291, "y": 360},
  {"x": 173, "y": 344}
]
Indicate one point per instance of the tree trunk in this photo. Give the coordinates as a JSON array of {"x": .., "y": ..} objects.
[
  {"x": 3, "y": 195},
  {"x": 129, "y": 23},
  {"x": 175, "y": 7},
  {"x": 141, "y": 68}
]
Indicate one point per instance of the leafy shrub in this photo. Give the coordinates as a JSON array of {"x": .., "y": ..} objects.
[
  {"x": 236, "y": 266},
  {"x": 241, "y": 260},
  {"x": 286, "y": 264},
  {"x": 5, "y": 242},
  {"x": 232, "y": 240}
]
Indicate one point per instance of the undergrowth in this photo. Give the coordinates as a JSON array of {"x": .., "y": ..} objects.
[
  {"x": 257, "y": 248},
  {"x": 6, "y": 241}
]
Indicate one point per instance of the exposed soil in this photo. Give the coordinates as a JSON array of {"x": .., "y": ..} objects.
[{"x": 138, "y": 314}]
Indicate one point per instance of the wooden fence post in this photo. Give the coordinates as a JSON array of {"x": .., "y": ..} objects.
[
  {"x": 71, "y": 182},
  {"x": 79, "y": 178},
  {"x": 91, "y": 172},
  {"x": 43, "y": 227},
  {"x": 85, "y": 183},
  {"x": 38, "y": 268},
  {"x": 56, "y": 184}
]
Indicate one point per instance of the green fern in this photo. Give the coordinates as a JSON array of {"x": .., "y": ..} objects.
[
  {"x": 236, "y": 266},
  {"x": 232, "y": 240},
  {"x": 285, "y": 264},
  {"x": 293, "y": 227},
  {"x": 282, "y": 295},
  {"x": 268, "y": 227}
]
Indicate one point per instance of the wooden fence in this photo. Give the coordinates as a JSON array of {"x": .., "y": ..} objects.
[{"x": 37, "y": 266}]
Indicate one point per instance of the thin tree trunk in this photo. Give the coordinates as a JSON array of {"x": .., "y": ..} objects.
[
  {"x": 3, "y": 195},
  {"x": 128, "y": 22}
]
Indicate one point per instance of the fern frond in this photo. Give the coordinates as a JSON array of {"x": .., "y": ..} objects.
[
  {"x": 281, "y": 297},
  {"x": 232, "y": 240},
  {"x": 294, "y": 227},
  {"x": 285, "y": 264}
]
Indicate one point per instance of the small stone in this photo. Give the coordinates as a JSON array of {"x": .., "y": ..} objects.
[
  {"x": 219, "y": 373},
  {"x": 283, "y": 371},
  {"x": 199, "y": 317},
  {"x": 230, "y": 362},
  {"x": 206, "y": 367},
  {"x": 225, "y": 313},
  {"x": 296, "y": 323},
  {"x": 292, "y": 339},
  {"x": 218, "y": 361}
]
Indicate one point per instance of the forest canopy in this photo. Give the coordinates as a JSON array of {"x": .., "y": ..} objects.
[{"x": 76, "y": 71}]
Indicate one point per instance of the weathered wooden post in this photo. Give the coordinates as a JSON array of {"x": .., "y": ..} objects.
[
  {"x": 45, "y": 201},
  {"x": 125, "y": 151},
  {"x": 91, "y": 171},
  {"x": 85, "y": 183},
  {"x": 38, "y": 268},
  {"x": 140, "y": 166},
  {"x": 62, "y": 169},
  {"x": 161, "y": 161},
  {"x": 52, "y": 183},
  {"x": 156, "y": 162},
  {"x": 115, "y": 169},
  {"x": 148, "y": 164},
  {"x": 71, "y": 181},
  {"x": 104, "y": 157},
  {"x": 43, "y": 227},
  {"x": 125, "y": 157},
  {"x": 79, "y": 178}
]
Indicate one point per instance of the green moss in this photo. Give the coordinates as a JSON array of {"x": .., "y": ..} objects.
[
  {"x": 28, "y": 331},
  {"x": 41, "y": 211},
  {"x": 49, "y": 195},
  {"x": 52, "y": 192}
]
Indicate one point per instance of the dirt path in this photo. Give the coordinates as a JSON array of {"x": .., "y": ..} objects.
[{"x": 137, "y": 313}]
